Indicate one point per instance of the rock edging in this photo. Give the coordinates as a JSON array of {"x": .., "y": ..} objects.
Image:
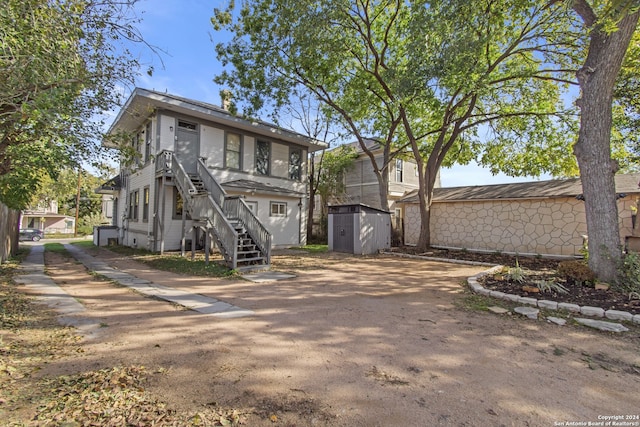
[{"x": 546, "y": 304}]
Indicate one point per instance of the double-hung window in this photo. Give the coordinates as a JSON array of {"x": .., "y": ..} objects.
[
  {"x": 147, "y": 143},
  {"x": 134, "y": 202},
  {"x": 263, "y": 157},
  {"x": 145, "y": 204},
  {"x": 232, "y": 151},
  {"x": 398, "y": 170}
]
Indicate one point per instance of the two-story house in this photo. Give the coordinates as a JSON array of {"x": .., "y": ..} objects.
[
  {"x": 45, "y": 217},
  {"x": 201, "y": 174},
  {"x": 361, "y": 184}
]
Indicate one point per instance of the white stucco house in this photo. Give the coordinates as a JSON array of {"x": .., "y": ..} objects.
[{"x": 202, "y": 174}]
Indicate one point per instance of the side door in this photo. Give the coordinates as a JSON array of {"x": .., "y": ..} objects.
[{"x": 187, "y": 145}]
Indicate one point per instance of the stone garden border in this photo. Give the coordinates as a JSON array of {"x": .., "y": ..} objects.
[
  {"x": 545, "y": 304},
  {"x": 549, "y": 305}
]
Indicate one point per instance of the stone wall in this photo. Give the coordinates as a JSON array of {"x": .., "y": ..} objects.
[{"x": 552, "y": 226}]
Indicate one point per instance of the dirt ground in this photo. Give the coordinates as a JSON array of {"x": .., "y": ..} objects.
[{"x": 351, "y": 341}]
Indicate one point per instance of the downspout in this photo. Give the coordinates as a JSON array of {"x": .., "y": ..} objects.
[
  {"x": 300, "y": 222},
  {"x": 163, "y": 198}
]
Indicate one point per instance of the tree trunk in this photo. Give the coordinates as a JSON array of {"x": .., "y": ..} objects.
[
  {"x": 424, "y": 239},
  {"x": 593, "y": 149},
  {"x": 383, "y": 187}
]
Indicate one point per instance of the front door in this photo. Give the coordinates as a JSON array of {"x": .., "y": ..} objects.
[{"x": 187, "y": 145}]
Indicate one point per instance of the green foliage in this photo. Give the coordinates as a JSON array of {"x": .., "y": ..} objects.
[
  {"x": 446, "y": 81},
  {"x": 628, "y": 274},
  {"x": 517, "y": 273},
  {"x": 56, "y": 247},
  {"x": 625, "y": 138},
  {"x": 333, "y": 165},
  {"x": 551, "y": 286},
  {"x": 175, "y": 263},
  {"x": 319, "y": 248},
  {"x": 576, "y": 272},
  {"x": 61, "y": 65}
]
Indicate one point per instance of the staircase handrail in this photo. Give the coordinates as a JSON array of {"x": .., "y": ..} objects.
[
  {"x": 206, "y": 209},
  {"x": 181, "y": 178},
  {"x": 237, "y": 210},
  {"x": 236, "y": 207},
  {"x": 210, "y": 183}
]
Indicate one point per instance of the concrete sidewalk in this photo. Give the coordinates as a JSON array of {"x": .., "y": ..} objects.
[
  {"x": 53, "y": 295},
  {"x": 70, "y": 310},
  {"x": 196, "y": 302}
]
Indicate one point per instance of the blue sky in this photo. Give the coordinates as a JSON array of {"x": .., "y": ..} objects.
[{"x": 183, "y": 30}]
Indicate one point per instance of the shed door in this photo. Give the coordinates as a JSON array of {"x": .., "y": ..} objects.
[
  {"x": 343, "y": 233},
  {"x": 187, "y": 145}
]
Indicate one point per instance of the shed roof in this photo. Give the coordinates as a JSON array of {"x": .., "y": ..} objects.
[
  {"x": 555, "y": 188},
  {"x": 362, "y": 206}
]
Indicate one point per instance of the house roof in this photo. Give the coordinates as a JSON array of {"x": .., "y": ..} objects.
[
  {"x": 114, "y": 184},
  {"x": 45, "y": 215},
  {"x": 143, "y": 102},
  {"x": 523, "y": 190},
  {"x": 246, "y": 185}
]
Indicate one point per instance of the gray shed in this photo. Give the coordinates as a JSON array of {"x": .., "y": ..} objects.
[{"x": 358, "y": 229}]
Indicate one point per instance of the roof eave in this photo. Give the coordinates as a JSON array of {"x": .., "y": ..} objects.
[{"x": 142, "y": 99}]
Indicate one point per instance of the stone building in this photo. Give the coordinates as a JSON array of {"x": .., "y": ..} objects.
[{"x": 544, "y": 217}]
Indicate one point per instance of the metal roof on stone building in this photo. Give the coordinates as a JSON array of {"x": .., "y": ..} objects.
[{"x": 556, "y": 188}]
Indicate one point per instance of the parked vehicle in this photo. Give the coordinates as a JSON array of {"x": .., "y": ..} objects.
[{"x": 31, "y": 234}]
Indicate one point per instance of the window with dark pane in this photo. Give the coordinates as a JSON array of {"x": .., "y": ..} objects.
[
  {"x": 295, "y": 164},
  {"x": 263, "y": 155}
]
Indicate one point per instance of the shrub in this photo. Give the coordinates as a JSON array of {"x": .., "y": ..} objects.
[
  {"x": 576, "y": 272},
  {"x": 516, "y": 274},
  {"x": 551, "y": 286},
  {"x": 629, "y": 274}
]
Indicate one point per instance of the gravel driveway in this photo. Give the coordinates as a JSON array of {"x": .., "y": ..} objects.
[{"x": 353, "y": 341}]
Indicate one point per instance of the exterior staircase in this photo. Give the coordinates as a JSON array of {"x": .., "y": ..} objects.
[{"x": 243, "y": 240}]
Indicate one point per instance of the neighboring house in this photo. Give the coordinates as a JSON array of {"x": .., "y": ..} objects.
[
  {"x": 47, "y": 219},
  {"x": 544, "y": 217},
  {"x": 362, "y": 186},
  {"x": 205, "y": 174}
]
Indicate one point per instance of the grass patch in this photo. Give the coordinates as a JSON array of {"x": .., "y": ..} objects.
[
  {"x": 475, "y": 302},
  {"x": 84, "y": 243},
  {"x": 175, "y": 263},
  {"x": 178, "y": 264},
  {"x": 315, "y": 248},
  {"x": 56, "y": 247}
]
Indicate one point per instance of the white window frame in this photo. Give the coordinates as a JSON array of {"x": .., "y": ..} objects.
[
  {"x": 280, "y": 211},
  {"x": 227, "y": 151},
  {"x": 399, "y": 170}
]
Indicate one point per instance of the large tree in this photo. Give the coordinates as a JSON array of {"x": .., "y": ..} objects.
[
  {"x": 273, "y": 52},
  {"x": 62, "y": 64},
  {"x": 452, "y": 80},
  {"x": 610, "y": 26}
]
